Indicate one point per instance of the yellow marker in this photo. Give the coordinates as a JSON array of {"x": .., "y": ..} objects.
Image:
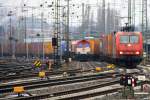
[
  {"x": 35, "y": 62},
  {"x": 111, "y": 66},
  {"x": 42, "y": 74},
  {"x": 98, "y": 69},
  {"x": 38, "y": 64},
  {"x": 19, "y": 89}
]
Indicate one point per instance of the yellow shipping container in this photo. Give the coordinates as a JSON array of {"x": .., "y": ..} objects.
[{"x": 48, "y": 48}]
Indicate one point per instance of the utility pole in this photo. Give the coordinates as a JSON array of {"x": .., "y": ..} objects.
[
  {"x": 103, "y": 16},
  {"x": 26, "y": 44},
  {"x": 56, "y": 38},
  {"x": 114, "y": 16},
  {"x": 42, "y": 15},
  {"x": 25, "y": 32},
  {"x": 32, "y": 30},
  {"x": 109, "y": 21},
  {"x": 82, "y": 28},
  {"x": 67, "y": 34},
  {"x": 10, "y": 38},
  {"x": 129, "y": 12},
  {"x": 144, "y": 24},
  {"x": 133, "y": 13}
]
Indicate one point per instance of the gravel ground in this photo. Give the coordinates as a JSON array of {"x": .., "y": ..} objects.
[
  {"x": 60, "y": 88},
  {"x": 118, "y": 96}
]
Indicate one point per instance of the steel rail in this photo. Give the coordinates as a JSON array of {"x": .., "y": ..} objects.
[
  {"x": 48, "y": 95},
  {"x": 45, "y": 83}
]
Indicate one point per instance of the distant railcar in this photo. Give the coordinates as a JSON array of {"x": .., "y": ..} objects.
[
  {"x": 83, "y": 47},
  {"x": 86, "y": 49},
  {"x": 123, "y": 47}
]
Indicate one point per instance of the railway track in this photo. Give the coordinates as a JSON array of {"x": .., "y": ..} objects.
[
  {"x": 69, "y": 80},
  {"x": 6, "y": 69},
  {"x": 86, "y": 66},
  {"x": 26, "y": 72},
  {"x": 35, "y": 74},
  {"x": 44, "y": 83},
  {"x": 79, "y": 93},
  {"x": 64, "y": 95}
]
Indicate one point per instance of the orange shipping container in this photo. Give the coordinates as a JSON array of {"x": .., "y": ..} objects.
[
  {"x": 110, "y": 45},
  {"x": 48, "y": 48}
]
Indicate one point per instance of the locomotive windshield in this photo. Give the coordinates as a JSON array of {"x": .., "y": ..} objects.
[
  {"x": 134, "y": 39},
  {"x": 129, "y": 39},
  {"x": 124, "y": 39}
]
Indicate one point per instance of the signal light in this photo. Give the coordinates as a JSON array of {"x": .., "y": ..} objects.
[
  {"x": 128, "y": 81},
  {"x": 121, "y": 52},
  {"x": 133, "y": 82},
  {"x": 54, "y": 41}
]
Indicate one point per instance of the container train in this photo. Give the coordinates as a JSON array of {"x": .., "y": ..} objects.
[
  {"x": 122, "y": 47},
  {"x": 117, "y": 47}
]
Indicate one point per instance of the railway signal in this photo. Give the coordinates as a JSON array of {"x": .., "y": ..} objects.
[
  {"x": 128, "y": 80},
  {"x": 54, "y": 41}
]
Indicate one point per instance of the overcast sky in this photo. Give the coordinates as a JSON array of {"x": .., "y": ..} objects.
[{"x": 120, "y": 5}]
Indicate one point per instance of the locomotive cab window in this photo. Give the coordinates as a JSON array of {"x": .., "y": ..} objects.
[
  {"x": 134, "y": 39},
  {"x": 129, "y": 39},
  {"x": 124, "y": 39}
]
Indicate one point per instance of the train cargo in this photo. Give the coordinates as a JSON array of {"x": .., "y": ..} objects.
[
  {"x": 20, "y": 48},
  {"x": 122, "y": 47}
]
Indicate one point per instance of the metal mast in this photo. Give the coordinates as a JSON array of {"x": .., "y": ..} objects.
[
  {"x": 103, "y": 15},
  {"x": 129, "y": 12},
  {"x": 133, "y": 13},
  {"x": 144, "y": 16},
  {"x": 42, "y": 32},
  {"x": 145, "y": 24},
  {"x": 67, "y": 33},
  {"x": 56, "y": 34},
  {"x": 87, "y": 16},
  {"x": 82, "y": 27}
]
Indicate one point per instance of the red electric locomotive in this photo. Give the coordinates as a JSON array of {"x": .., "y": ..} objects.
[{"x": 123, "y": 47}]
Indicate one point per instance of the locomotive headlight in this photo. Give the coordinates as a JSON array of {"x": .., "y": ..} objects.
[
  {"x": 121, "y": 52},
  {"x": 129, "y": 45},
  {"x": 137, "y": 52}
]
